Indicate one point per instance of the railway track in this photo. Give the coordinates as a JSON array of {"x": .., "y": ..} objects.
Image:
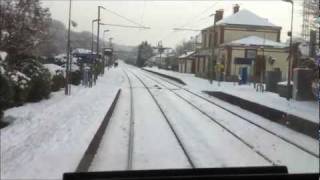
[
  {"x": 217, "y": 122},
  {"x": 167, "y": 120},
  {"x": 93, "y": 148},
  {"x": 147, "y": 74}
]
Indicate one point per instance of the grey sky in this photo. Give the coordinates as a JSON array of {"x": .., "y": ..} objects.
[{"x": 162, "y": 16}]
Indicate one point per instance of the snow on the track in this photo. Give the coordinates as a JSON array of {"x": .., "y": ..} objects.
[
  {"x": 155, "y": 146},
  {"x": 276, "y": 149},
  {"x": 49, "y": 138},
  {"x": 306, "y": 109},
  {"x": 208, "y": 144},
  {"x": 304, "y": 141}
]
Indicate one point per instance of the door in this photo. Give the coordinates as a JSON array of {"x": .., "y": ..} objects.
[{"x": 244, "y": 75}]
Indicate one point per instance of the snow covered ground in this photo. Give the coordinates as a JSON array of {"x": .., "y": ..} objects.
[
  {"x": 306, "y": 109},
  {"x": 49, "y": 138}
]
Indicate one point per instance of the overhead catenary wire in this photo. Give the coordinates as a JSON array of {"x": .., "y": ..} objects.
[
  {"x": 196, "y": 18},
  {"x": 123, "y": 17},
  {"x": 125, "y": 26},
  {"x": 192, "y": 20}
]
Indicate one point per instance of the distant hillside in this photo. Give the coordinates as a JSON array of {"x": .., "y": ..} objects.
[{"x": 57, "y": 41}]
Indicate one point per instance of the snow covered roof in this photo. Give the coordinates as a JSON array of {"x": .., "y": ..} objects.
[
  {"x": 246, "y": 17},
  {"x": 186, "y": 54},
  {"x": 81, "y": 51},
  {"x": 257, "y": 41}
]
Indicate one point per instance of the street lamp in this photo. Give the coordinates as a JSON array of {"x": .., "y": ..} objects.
[
  {"x": 98, "y": 36},
  {"x": 67, "y": 90},
  {"x": 103, "y": 37},
  {"x": 92, "y": 42},
  {"x": 92, "y": 24},
  {"x": 213, "y": 48},
  {"x": 103, "y": 58},
  {"x": 290, "y": 52}
]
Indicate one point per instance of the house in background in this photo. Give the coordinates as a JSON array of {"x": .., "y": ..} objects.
[
  {"x": 244, "y": 43},
  {"x": 252, "y": 56},
  {"x": 165, "y": 60},
  {"x": 186, "y": 62}
]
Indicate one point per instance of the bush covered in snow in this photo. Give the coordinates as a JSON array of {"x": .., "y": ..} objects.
[
  {"x": 57, "y": 82},
  {"x": 21, "y": 86},
  {"x": 75, "y": 77},
  {"x": 6, "y": 92},
  {"x": 40, "y": 84}
]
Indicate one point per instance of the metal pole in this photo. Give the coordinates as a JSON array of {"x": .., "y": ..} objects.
[
  {"x": 92, "y": 23},
  {"x": 290, "y": 56},
  {"x": 212, "y": 54},
  {"x": 92, "y": 59},
  {"x": 98, "y": 36},
  {"x": 103, "y": 46},
  {"x": 68, "y": 54}
]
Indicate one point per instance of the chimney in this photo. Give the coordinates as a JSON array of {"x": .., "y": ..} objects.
[
  {"x": 219, "y": 15},
  {"x": 236, "y": 8}
]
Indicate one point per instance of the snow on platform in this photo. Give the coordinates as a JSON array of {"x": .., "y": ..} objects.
[
  {"x": 49, "y": 138},
  {"x": 305, "y": 109}
]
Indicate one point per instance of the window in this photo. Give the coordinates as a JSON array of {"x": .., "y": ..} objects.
[{"x": 251, "y": 53}]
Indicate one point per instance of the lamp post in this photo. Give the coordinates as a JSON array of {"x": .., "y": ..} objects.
[
  {"x": 213, "y": 48},
  {"x": 103, "y": 59},
  {"x": 92, "y": 41},
  {"x": 290, "y": 52},
  {"x": 103, "y": 37},
  {"x": 92, "y": 24},
  {"x": 67, "y": 91},
  {"x": 98, "y": 36}
]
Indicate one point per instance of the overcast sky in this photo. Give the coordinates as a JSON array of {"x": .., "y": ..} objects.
[{"x": 163, "y": 16}]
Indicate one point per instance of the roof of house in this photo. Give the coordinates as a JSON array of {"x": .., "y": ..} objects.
[
  {"x": 186, "y": 54},
  {"x": 246, "y": 17},
  {"x": 257, "y": 41},
  {"x": 81, "y": 51}
]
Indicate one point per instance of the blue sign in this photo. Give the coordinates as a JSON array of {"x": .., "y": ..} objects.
[{"x": 247, "y": 61}]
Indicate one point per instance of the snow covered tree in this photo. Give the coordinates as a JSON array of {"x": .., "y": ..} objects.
[
  {"x": 185, "y": 46},
  {"x": 24, "y": 26},
  {"x": 145, "y": 51},
  {"x": 40, "y": 79}
]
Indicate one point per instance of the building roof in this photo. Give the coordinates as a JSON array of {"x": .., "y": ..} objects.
[
  {"x": 81, "y": 51},
  {"x": 257, "y": 41},
  {"x": 246, "y": 17},
  {"x": 186, "y": 54}
]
